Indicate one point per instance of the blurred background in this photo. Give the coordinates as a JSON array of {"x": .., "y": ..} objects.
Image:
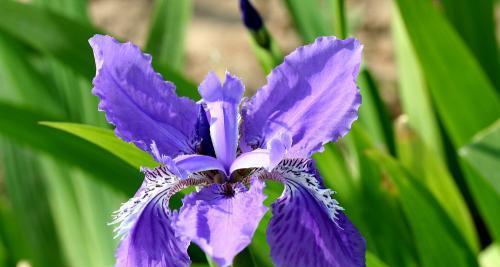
[{"x": 418, "y": 174}]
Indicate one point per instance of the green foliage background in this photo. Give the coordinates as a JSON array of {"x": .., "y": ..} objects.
[{"x": 424, "y": 188}]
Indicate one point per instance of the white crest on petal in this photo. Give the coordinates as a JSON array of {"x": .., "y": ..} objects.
[
  {"x": 156, "y": 181},
  {"x": 301, "y": 172}
]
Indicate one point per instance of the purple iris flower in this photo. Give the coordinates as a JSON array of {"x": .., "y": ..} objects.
[{"x": 227, "y": 146}]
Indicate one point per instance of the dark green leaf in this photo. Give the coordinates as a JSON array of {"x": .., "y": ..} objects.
[
  {"x": 28, "y": 195},
  {"x": 431, "y": 170},
  {"x": 475, "y": 22},
  {"x": 65, "y": 39},
  {"x": 21, "y": 124},
  {"x": 438, "y": 241},
  {"x": 381, "y": 219},
  {"x": 465, "y": 98}
]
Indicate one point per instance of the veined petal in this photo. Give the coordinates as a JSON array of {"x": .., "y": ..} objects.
[
  {"x": 307, "y": 227},
  {"x": 222, "y": 219},
  {"x": 144, "y": 223},
  {"x": 143, "y": 107},
  {"x": 312, "y": 96},
  {"x": 152, "y": 240},
  {"x": 222, "y": 103}
]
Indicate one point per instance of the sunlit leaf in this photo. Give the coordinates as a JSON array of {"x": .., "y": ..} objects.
[
  {"x": 413, "y": 91},
  {"x": 106, "y": 139}
]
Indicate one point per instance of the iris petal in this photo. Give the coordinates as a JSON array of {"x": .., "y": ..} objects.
[
  {"x": 148, "y": 238},
  {"x": 222, "y": 103},
  {"x": 143, "y": 107},
  {"x": 307, "y": 227},
  {"x": 222, "y": 219},
  {"x": 312, "y": 96},
  {"x": 190, "y": 164},
  {"x": 152, "y": 241}
]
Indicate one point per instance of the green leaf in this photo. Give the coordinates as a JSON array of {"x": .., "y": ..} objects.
[
  {"x": 28, "y": 195},
  {"x": 51, "y": 33},
  {"x": 76, "y": 9},
  {"x": 415, "y": 99},
  {"x": 21, "y": 124},
  {"x": 429, "y": 168},
  {"x": 475, "y": 22},
  {"x": 381, "y": 219},
  {"x": 66, "y": 39},
  {"x": 465, "y": 98},
  {"x": 483, "y": 154},
  {"x": 438, "y": 241},
  {"x": 107, "y": 140},
  {"x": 268, "y": 56},
  {"x": 310, "y": 18},
  {"x": 480, "y": 160},
  {"x": 373, "y": 261},
  {"x": 168, "y": 30},
  {"x": 373, "y": 114},
  {"x": 20, "y": 83},
  {"x": 11, "y": 234}
]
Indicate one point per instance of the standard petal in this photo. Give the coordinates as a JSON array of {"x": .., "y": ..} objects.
[
  {"x": 189, "y": 164},
  {"x": 203, "y": 134},
  {"x": 307, "y": 227},
  {"x": 143, "y": 107},
  {"x": 144, "y": 223},
  {"x": 222, "y": 103},
  {"x": 264, "y": 158},
  {"x": 312, "y": 96},
  {"x": 222, "y": 219}
]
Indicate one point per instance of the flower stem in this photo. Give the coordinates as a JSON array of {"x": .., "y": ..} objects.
[{"x": 340, "y": 19}]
